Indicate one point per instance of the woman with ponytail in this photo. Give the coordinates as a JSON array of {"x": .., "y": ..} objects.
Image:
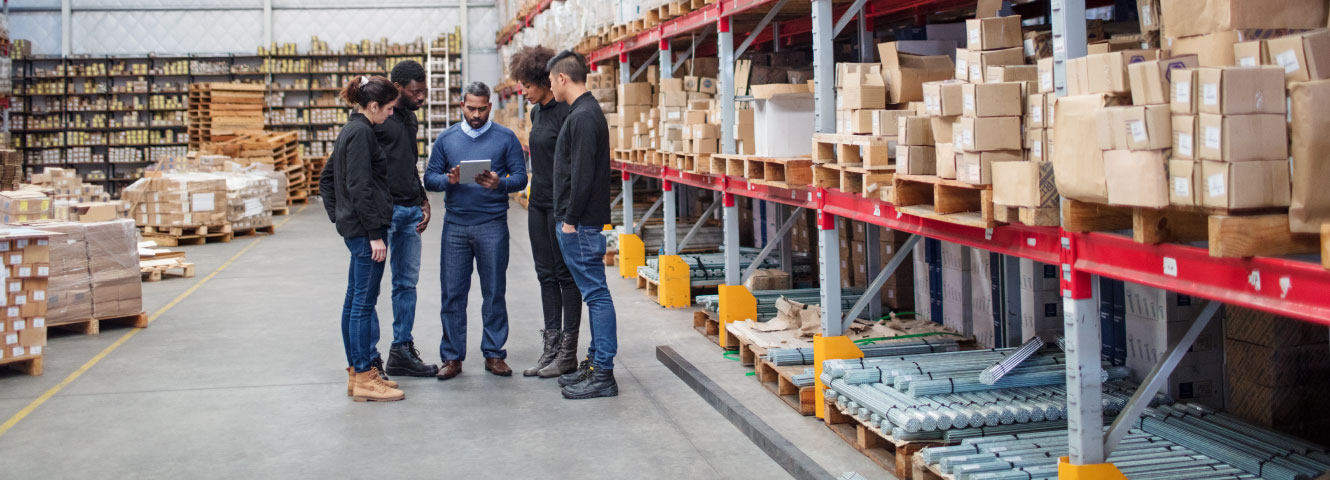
[{"x": 355, "y": 194}]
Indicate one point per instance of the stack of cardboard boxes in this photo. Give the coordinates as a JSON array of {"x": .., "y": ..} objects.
[
  {"x": 24, "y": 206},
  {"x": 11, "y": 168},
  {"x": 249, "y": 199},
  {"x": 602, "y": 83},
  {"x": 1211, "y": 29},
  {"x": 1156, "y": 319},
  {"x": 27, "y": 263},
  {"x": 860, "y": 93},
  {"x": 113, "y": 260},
  {"x": 69, "y": 295},
  {"x": 1041, "y": 301},
  {"x": 898, "y": 292},
  {"x": 1279, "y": 372},
  {"x": 685, "y": 112},
  {"x": 634, "y": 107},
  {"x": 178, "y": 200}
]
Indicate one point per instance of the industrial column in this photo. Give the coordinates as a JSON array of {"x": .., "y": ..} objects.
[
  {"x": 667, "y": 187},
  {"x": 725, "y": 44},
  {"x": 627, "y": 177}
]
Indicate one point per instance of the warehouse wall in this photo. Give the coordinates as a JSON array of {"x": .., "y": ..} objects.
[{"x": 124, "y": 27}]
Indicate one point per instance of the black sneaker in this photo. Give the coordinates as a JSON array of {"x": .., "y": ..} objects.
[
  {"x": 583, "y": 371},
  {"x": 404, "y": 360},
  {"x": 599, "y": 384}
]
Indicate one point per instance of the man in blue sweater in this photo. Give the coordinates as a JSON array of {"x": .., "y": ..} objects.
[{"x": 475, "y": 227}]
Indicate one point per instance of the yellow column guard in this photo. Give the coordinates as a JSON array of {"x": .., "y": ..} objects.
[
  {"x": 632, "y": 254},
  {"x": 675, "y": 286},
  {"x": 736, "y": 305},
  {"x": 829, "y": 348},
  {"x": 1096, "y": 471}
]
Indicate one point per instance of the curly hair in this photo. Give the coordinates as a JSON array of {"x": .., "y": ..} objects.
[{"x": 528, "y": 65}]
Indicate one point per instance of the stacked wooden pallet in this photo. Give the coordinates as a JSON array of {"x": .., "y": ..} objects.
[
  {"x": 313, "y": 168},
  {"x": 223, "y": 111}
]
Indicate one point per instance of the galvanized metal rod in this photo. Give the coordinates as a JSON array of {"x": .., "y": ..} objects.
[
  {"x": 775, "y": 242},
  {"x": 871, "y": 294},
  {"x": 752, "y": 36},
  {"x": 711, "y": 209},
  {"x": 847, "y": 17},
  {"x": 1156, "y": 378},
  {"x": 637, "y": 229}
]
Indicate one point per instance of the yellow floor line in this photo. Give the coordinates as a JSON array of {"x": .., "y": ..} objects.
[{"x": 4, "y": 428}]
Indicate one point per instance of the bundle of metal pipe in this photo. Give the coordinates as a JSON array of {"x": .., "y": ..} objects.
[
  {"x": 803, "y": 379},
  {"x": 1245, "y": 446},
  {"x": 707, "y": 268},
  {"x": 994, "y": 373},
  {"x": 837, "y": 368},
  {"x": 653, "y": 235},
  {"x": 766, "y": 300},
  {"x": 886, "y": 348}
]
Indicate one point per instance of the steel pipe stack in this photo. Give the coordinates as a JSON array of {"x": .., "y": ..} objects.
[
  {"x": 766, "y": 300},
  {"x": 885, "y": 348},
  {"x": 994, "y": 373}
]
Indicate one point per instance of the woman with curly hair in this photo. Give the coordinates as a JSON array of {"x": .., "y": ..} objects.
[{"x": 559, "y": 296}]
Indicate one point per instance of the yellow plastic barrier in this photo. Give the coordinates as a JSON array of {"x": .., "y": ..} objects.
[
  {"x": 829, "y": 348},
  {"x": 1097, "y": 471},
  {"x": 632, "y": 254},
  {"x": 675, "y": 286},
  {"x": 736, "y": 305}
]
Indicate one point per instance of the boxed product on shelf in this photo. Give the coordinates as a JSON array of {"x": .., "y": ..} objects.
[
  {"x": 69, "y": 292},
  {"x": 1182, "y": 18},
  {"x": 1078, "y": 162},
  {"x": 24, "y": 205},
  {"x": 993, "y": 33},
  {"x": 114, "y": 264},
  {"x": 27, "y": 254},
  {"x": 906, "y": 65},
  {"x": 1310, "y": 200},
  {"x": 1149, "y": 80}
]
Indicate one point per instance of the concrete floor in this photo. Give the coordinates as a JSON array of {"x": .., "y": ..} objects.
[{"x": 242, "y": 378}]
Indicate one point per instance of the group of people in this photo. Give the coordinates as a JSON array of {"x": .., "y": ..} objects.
[{"x": 374, "y": 194}]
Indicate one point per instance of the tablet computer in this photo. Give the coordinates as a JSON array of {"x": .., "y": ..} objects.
[{"x": 468, "y": 170}]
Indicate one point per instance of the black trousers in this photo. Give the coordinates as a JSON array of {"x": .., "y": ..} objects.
[{"x": 558, "y": 293}]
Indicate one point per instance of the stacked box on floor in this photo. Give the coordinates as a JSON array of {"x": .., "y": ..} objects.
[
  {"x": 178, "y": 200},
  {"x": 27, "y": 260},
  {"x": 114, "y": 263},
  {"x": 24, "y": 206},
  {"x": 249, "y": 200},
  {"x": 69, "y": 295},
  {"x": 11, "y": 169}
]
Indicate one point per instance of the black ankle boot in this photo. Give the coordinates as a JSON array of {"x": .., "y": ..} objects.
[
  {"x": 566, "y": 359},
  {"x": 582, "y": 372},
  {"x": 404, "y": 360},
  {"x": 600, "y": 383},
  {"x": 547, "y": 356}
]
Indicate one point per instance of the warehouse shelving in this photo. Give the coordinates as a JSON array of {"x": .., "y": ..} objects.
[{"x": 1293, "y": 287}]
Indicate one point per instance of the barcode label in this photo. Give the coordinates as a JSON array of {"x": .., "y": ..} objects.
[{"x": 1182, "y": 186}]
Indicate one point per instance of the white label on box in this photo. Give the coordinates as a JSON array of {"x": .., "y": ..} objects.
[
  {"x": 967, "y": 135},
  {"x": 43, "y": 271},
  {"x": 976, "y": 73},
  {"x": 11, "y": 339},
  {"x": 1215, "y": 186},
  {"x": 969, "y": 101},
  {"x": 1046, "y": 81},
  {"x": 1210, "y": 93},
  {"x": 39, "y": 296},
  {"x": 1182, "y": 92},
  {"x": 1289, "y": 60},
  {"x": 957, "y": 138},
  {"x": 1145, "y": 16},
  {"x": 20, "y": 299},
  {"x": 974, "y": 38},
  {"x": 38, "y": 322},
  {"x": 1184, "y": 144},
  {"x": 1137, "y": 129},
  {"x": 15, "y": 287},
  {"x": 253, "y": 207},
  {"x": 973, "y": 170},
  {"x": 1029, "y": 47},
  {"x": 961, "y": 67},
  {"x": 36, "y": 350},
  {"x": 1037, "y": 114},
  {"x": 21, "y": 243},
  {"x": 25, "y": 272},
  {"x": 12, "y": 311},
  {"x": 1037, "y": 148},
  {"x": 20, "y": 325},
  {"x": 16, "y": 351},
  {"x": 877, "y": 123},
  {"x": 1247, "y": 62},
  {"x": 1212, "y": 137},
  {"x": 1182, "y": 186},
  {"x": 16, "y": 259}
]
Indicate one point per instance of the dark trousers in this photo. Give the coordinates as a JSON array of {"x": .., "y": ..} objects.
[
  {"x": 359, "y": 325},
  {"x": 484, "y": 247},
  {"x": 584, "y": 251},
  {"x": 559, "y": 296}
]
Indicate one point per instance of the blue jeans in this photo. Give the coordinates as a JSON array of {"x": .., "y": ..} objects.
[
  {"x": 359, "y": 327},
  {"x": 584, "y": 252},
  {"x": 487, "y": 246},
  {"x": 404, "y": 259}
]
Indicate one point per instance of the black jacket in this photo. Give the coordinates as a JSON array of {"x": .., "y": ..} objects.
[
  {"x": 354, "y": 183},
  {"x": 546, "y": 120},
  {"x": 397, "y": 137},
  {"x": 582, "y": 166}
]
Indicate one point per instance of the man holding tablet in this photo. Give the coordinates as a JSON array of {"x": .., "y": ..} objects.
[{"x": 477, "y": 163}]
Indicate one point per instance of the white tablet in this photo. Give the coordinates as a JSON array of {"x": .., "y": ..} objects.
[{"x": 470, "y": 168}]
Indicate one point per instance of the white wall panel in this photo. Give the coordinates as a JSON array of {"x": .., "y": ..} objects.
[
  {"x": 42, "y": 28},
  {"x": 362, "y": 3},
  {"x": 165, "y": 4},
  {"x": 168, "y": 31},
  {"x": 337, "y": 27},
  {"x": 19, "y": 4}
]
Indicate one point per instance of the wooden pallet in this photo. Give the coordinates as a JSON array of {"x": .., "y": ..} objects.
[
  {"x": 779, "y": 380},
  {"x": 27, "y": 364},
  {"x": 920, "y": 470},
  {"x": 155, "y": 272},
  {"x": 92, "y": 326},
  {"x": 196, "y": 235},
  {"x": 1229, "y": 233},
  {"x": 950, "y": 201},
  {"x": 866, "y": 151},
  {"x": 870, "y": 183},
  {"x": 245, "y": 232},
  {"x": 1035, "y": 217},
  {"x": 281, "y": 210},
  {"x": 783, "y": 172},
  {"x": 892, "y": 455},
  {"x": 708, "y": 325}
]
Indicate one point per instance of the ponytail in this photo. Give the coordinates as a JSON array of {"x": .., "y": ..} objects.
[{"x": 361, "y": 90}]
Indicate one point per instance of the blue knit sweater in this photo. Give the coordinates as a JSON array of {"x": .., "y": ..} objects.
[{"x": 469, "y": 203}]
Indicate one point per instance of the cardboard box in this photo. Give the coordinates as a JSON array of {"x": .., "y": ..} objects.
[
  {"x": 1077, "y": 160},
  {"x": 1148, "y": 127},
  {"x": 1183, "y": 87},
  {"x": 1045, "y": 67},
  {"x": 1251, "y": 53},
  {"x": 946, "y": 160},
  {"x": 674, "y": 99},
  {"x": 990, "y": 133},
  {"x": 1240, "y": 90},
  {"x": 915, "y": 131},
  {"x": 1026, "y": 74},
  {"x": 979, "y": 62},
  {"x": 1023, "y": 184},
  {"x": 887, "y": 122},
  {"x": 1197, "y": 17},
  {"x": 1303, "y": 57},
  {"x": 1150, "y": 80},
  {"x": 1137, "y": 178},
  {"x": 861, "y": 97},
  {"x": 1263, "y": 328},
  {"x": 993, "y": 33},
  {"x": 1034, "y": 107},
  {"x": 1277, "y": 367},
  {"x": 1183, "y": 178},
  {"x": 992, "y": 99},
  {"x": 1078, "y": 76},
  {"x": 783, "y": 125},
  {"x": 1041, "y": 314},
  {"x": 943, "y": 98},
  {"x": 1310, "y": 206},
  {"x": 1254, "y": 184},
  {"x": 943, "y": 129},
  {"x": 637, "y": 93},
  {"x": 1107, "y": 72},
  {"x": 975, "y": 168},
  {"x": 906, "y": 65},
  {"x": 1185, "y": 137},
  {"x": 1237, "y": 138},
  {"x": 916, "y": 160},
  {"x": 855, "y": 122},
  {"x": 962, "y": 72},
  {"x": 1148, "y": 13},
  {"x": 1036, "y": 145}
]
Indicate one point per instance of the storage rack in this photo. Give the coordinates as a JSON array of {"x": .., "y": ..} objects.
[
  {"x": 1286, "y": 286},
  {"x": 442, "y": 69}
]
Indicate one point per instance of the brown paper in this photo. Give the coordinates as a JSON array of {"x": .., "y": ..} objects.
[{"x": 1310, "y": 206}]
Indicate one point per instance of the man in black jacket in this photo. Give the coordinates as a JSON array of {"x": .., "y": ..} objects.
[
  {"x": 411, "y": 214},
  {"x": 582, "y": 205}
]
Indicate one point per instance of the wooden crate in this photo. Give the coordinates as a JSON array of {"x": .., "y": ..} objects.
[
  {"x": 892, "y": 455},
  {"x": 944, "y": 200},
  {"x": 1230, "y": 233},
  {"x": 796, "y": 172},
  {"x": 867, "y": 151}
]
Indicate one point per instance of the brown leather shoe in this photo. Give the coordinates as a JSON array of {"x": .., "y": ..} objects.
[
  {"x": 450, "y": 369},
  {"x": 498, "y": 367}
]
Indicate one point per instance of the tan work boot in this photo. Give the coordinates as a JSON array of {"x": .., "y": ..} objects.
[
  {"x": 370, "y": 388},
  {"x": 351, "y": 380},
  {"x": 383, "y": 378}
]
